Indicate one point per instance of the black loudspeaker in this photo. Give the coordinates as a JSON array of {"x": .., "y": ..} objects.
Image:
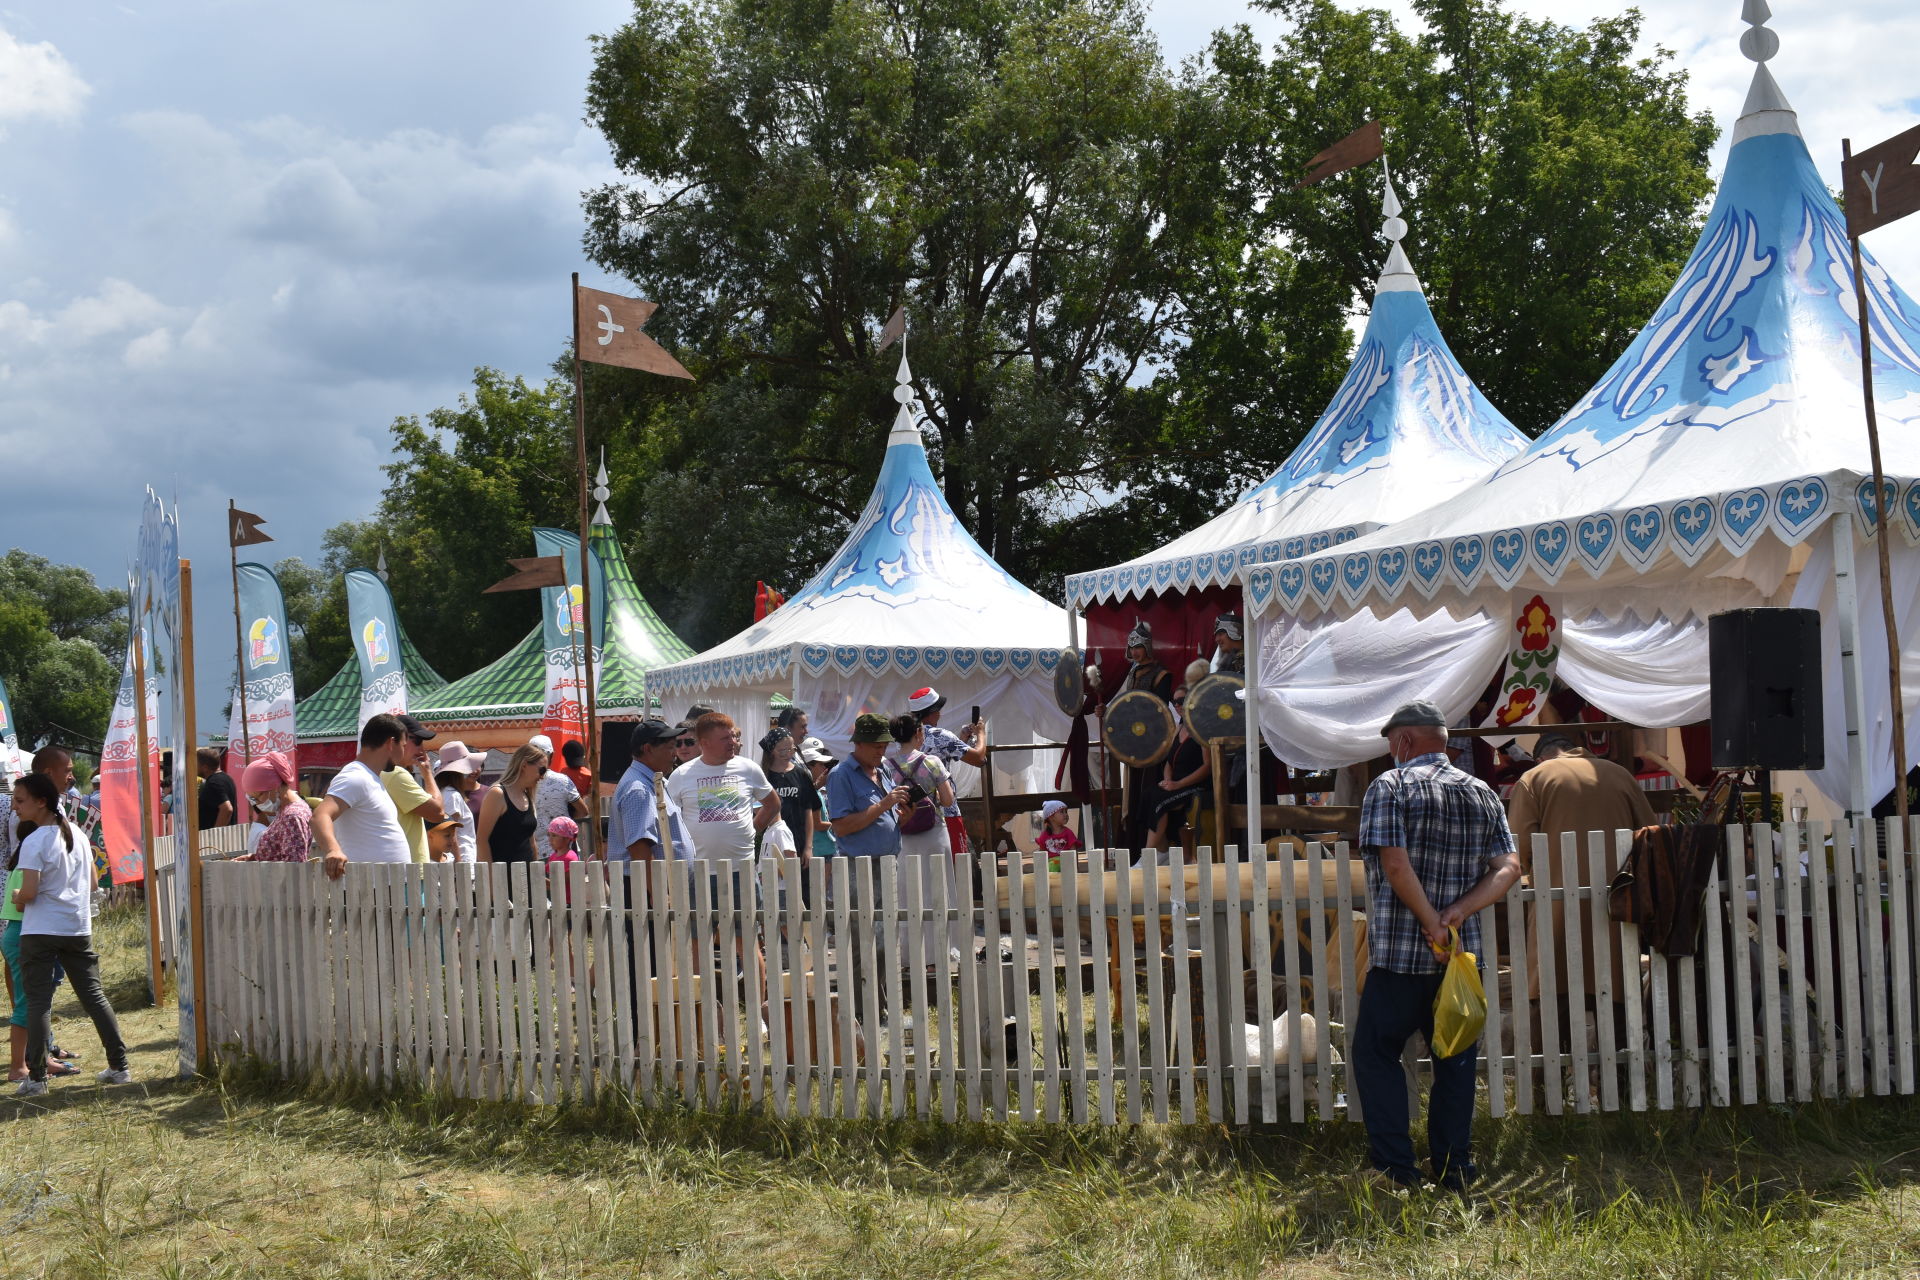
[
  {"x": 1768, "y": 708},
  {"x": 616, "y": 749}
]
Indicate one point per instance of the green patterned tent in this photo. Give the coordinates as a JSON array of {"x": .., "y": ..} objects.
[{"x": 514, "y": 686}]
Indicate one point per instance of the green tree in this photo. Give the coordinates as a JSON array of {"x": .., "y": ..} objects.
[
  {"x": 63, "y": 640},
  {"x": 1045, "y": 196},
  {"x": 1554, "y": 183}
]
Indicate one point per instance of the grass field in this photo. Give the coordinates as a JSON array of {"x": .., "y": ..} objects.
[{"x": 247, "y": 1177}]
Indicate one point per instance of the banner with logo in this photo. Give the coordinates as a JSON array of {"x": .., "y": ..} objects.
[
  {"x": 567, "y": 635},
  {"x": 12, "y": 764},
  {"x": 266, "y": 671},
  {"x": 121, "y": 791},
  {"x": 375, "y": 631}
]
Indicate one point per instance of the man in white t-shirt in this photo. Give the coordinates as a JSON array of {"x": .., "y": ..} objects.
[
  {"x": 724, "y": 799},
  {"x": 554, "y": 797},
  {"x": 357, "y": 821}
]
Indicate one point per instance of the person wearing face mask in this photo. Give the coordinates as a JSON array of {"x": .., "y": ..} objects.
[
  {"x": 268, "y": 783},
  {"x": 357, "y": 820}
]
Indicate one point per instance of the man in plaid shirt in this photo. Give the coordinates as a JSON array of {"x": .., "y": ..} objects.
[{"x": 1437, "y": 849}]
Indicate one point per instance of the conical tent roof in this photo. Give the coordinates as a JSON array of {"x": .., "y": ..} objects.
[
  {"x": 515, "y": 684},
  {"x": 1735, "y": 414},
  {"x": 908, "y": 593},
  {"x": 1406, "y": 428},
  {"x": 333, "y": 710}
]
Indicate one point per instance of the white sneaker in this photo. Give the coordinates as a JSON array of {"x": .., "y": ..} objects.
[
  {"x": 112, "y": 1076},
  {"x": 30, "y": 1088}
]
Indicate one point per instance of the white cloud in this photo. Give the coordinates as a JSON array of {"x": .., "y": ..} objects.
[
  {"x": 150, "y": 349},
  {"x": 37, "y": 80}
]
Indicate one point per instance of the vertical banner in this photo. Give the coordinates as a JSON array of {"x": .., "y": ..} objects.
[
  {"x": 375, "y": 631},
  {"x": 159, "y": 608},
  {"x": 11, "y": 763},
  {"x": 266, "y": 671},
  {"x": 121, "y": 783},
  {"x": 564, "y": 624},
  {"x": 1526, "y": 678}
]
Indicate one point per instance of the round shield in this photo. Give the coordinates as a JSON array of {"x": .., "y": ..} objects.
[
  {"x": 1070, "y": 683},
  {"x": 1139, "y": 728},
  {"x": 1215, "y": 712}
]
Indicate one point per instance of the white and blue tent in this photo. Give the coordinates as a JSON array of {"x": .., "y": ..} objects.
[
  {"x": 1406, "y": 428},
  {"x": 909, "y": 600},
  {"x": 1722, "y": 462}
]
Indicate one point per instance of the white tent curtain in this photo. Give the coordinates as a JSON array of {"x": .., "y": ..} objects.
[
  {"x": 1327, "y": 684},
  {"x": 1652, "y": 674}
]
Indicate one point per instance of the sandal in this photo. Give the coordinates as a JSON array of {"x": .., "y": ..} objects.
[
  {"x": 65, "y": 1055},
  {"x": 62, "y": 1069}
]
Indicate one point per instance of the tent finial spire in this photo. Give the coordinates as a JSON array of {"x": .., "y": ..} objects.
[
  {"x": 600, "y": 491},
  {"x": 1767, "y": 109},
  {"x": 906, "y": 423},
  {"x": 1398, "y": 273}
]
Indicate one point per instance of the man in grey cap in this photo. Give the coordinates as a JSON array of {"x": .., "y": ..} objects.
[{"x": 1437, "y": 850}]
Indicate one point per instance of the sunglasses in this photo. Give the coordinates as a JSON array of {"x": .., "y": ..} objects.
[{"x": 683, "y": 742}]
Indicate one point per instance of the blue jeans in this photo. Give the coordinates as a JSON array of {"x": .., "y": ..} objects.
[{"x": 1392, "y": 1008}]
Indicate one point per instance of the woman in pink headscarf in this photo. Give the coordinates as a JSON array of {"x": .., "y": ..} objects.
[{"x": 268, "y": 782}]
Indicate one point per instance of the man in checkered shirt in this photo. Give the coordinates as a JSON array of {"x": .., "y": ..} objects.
[{"x": 1437, "y": 849}]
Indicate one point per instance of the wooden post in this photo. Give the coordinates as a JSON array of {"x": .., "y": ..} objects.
[
  {"x": 155, "y": 962},
  {"x": 1846, "y": 597},
  {"x": 1883, "y": 519},
  {"x": 239, "y": 653},
  {"x": 190, "y": 820},
  {"x": 586, "y": 551}
]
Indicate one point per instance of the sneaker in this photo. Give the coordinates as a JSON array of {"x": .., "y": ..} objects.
[
  {"x": 113, "y": 1075},
  {"x": 30, "y": 1088}
]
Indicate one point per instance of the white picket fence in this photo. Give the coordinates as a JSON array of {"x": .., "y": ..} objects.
[
  {"x": 221, "y": 843},
  {"x": 1086, "y": 995}
]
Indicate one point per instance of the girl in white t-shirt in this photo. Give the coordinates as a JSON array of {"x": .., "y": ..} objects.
[{"x": 55, "y": 896}]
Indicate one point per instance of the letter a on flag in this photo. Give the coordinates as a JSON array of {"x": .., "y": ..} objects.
[
  {"x": 610, "y": 327},
  {"x": 246, "y": 530}
]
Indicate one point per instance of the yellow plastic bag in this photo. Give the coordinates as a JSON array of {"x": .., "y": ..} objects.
[{"x": 1460, "y": 1010}]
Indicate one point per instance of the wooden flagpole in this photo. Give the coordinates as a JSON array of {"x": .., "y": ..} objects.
[
  {"x": 239, "y": 645},
  {"x": 1883, "y": 517},
  {"x": 586, "y": 573},
  {"x": 190, "y": 815}
]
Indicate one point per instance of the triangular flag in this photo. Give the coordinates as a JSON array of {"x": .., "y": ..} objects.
[
  {"x": 1882, "y": 183},
  {"x": 609, "y": 327},
  {"x": 1352, "y": 151},
  {"x": 244, "y": 527},
  {"x": 896, "y": 329}
]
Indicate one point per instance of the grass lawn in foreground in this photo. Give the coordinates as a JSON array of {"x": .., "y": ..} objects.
[{"x": 247, "y": 1177}]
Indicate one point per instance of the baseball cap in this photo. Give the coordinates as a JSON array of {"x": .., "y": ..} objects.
[
  {"x": 927, "y": 699},
  {"x": 542, "y": 741},
  {"x": 649, "y": 732},
  {"x": 870, "y": 727},
  {"x": 445, "y": 822},
  {"x": 814, "y": 751},
  {"x": 415, "y": 730},
  {"x": 1417, "y": 712}
]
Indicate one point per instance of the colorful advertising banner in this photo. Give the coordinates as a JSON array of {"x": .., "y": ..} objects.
[
  {"x": 374, "y": 629},
  {"x": 564, "y": 624},
  {"x": 120, "y": 780},
  {"x": 266, "y": 671}
]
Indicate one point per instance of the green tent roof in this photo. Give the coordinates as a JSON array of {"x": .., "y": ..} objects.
[
  {"x": 515, "y": 684},
  {"x": 333, "y": 710}
]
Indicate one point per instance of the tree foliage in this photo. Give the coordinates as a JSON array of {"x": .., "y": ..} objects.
[
  {"x": 1121, "y": 312},
  {"x": 63, "y": 642}
]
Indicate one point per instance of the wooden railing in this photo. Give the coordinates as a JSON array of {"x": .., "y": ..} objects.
[{"x": 1223, "y": 991}]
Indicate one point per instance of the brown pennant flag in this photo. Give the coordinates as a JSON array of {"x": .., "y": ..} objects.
[
  {"x": 244, "y": 527},
  {"x": 609, "y": 327},
  {"x": 534, "y": 571},
  {"x": 1882, "y": 183},
  {"x": 1352, "y": 151},
  {"x": 896, "y": 329}
]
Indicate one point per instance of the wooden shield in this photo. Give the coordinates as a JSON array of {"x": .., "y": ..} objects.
[
  {"x": 1070, "y": 683},
  {"x": 1214, "y": 712},
  {"x": 1139, "y": 728}
]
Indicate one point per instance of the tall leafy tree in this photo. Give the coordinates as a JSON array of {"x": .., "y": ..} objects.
[{"x": 63, "y": 640}]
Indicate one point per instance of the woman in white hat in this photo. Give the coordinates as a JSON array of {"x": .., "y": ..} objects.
[{"x": 457, "y": 775}]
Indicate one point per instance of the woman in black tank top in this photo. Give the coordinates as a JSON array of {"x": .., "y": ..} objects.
[{"x": 504, "y": 829}]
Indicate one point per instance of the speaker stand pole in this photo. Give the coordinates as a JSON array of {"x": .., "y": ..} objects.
[{"x": 1846, "y": 599}]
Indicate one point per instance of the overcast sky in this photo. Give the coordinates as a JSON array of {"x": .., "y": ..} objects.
[{"x": 229, "y": 221}]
